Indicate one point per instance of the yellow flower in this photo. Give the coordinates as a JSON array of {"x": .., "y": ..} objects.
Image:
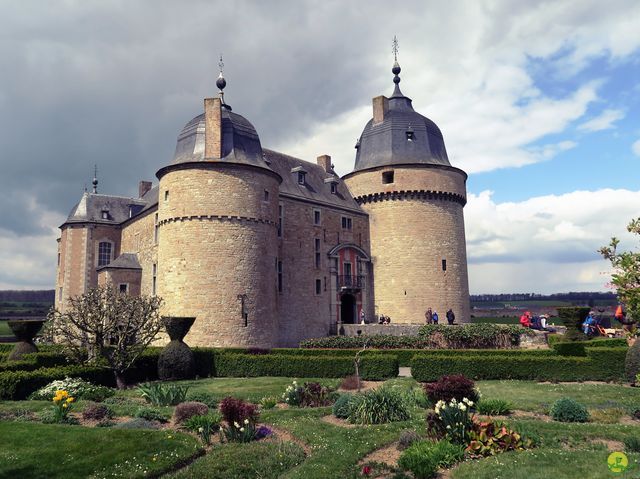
[
  {"x": 65, "y": 405},
  {"x": 70, "y": 400}
]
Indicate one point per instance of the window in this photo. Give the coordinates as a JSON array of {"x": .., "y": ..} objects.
[
  {"x": 387, "y": 177},
  {"x": 60, "y": 294},
  {"x": 301, "y": 177},
  {"x": 318, "y": 286},
  {"x": 155, "y": 230},
  {"x": 105, "y": 214},
  {"x": 58, "y": 259},
  {"x": 280, "y": 217},
  {"x": 124, "y": 288},
  {"x": 346, "y": 223},
  {"x": 316, "y": 217},
  {"x": 153, "y": 279},
  {"x": 334, "y": 188},
  {"x": 104, "y": 253},
  {"x": 166, "y": 195},
  {"x": 410, "y": 135},
  {"x": 318, "y": 257},
  {"x": 279, "y": 276},
  {"x": 266, "y": 195},
  {"x": 444, "y": 265},
  {"x": 346, "y": 268}
]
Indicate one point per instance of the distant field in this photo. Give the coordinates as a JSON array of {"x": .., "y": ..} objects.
[
  {"x": 24, "y": 308},
  {"x": 5, "y": 330}
]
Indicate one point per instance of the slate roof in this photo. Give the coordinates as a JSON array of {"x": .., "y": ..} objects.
[
  {"x": 124, "y": 261},
  {"x": 317, "y": 187},
  {"x": 386, "y": 143},
  {"x": 91, "y": 206}
]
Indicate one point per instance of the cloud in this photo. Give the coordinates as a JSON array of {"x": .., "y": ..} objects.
[
  {"x": 605, "y": 121},
  {"x": 636, "y": 148},
  {"x": 546, "y": 243}
]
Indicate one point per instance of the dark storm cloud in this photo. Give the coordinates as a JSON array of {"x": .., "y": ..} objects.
[{"x": 112, "y": 83}]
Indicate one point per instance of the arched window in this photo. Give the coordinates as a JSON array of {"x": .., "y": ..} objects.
[{"x": 104, "y": 253}]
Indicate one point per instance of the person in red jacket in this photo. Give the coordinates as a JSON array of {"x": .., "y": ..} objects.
[{"x": 525, "y": 320}]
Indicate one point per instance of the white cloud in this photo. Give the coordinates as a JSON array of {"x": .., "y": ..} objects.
[
  {"x": 636, "y": 148},
  {"x": 605, "y": 121},
  {"x": 547, "y": 243}
]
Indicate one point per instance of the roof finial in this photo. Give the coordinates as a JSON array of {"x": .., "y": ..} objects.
[
  {"x": 396, "y": 67},
  {"x": 95, "y": 179},
  {"x": 221, "y": 82}
]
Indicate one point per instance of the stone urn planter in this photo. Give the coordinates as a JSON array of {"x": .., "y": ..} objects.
[
  {"x": 25, "y": 330},
  {"x": 572, "y": 318},
  {"x": 176, "y": 360}
]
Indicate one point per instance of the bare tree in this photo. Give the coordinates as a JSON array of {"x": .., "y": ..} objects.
[
  {"x": 357, "y": 362},
  {"x": 107, "y": 328}
]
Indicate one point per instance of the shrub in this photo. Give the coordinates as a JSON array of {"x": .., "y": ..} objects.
[
  {"x": 632, "y": 362},
  {"x": 379, "y": 406},
  {"x": 150, "y": 414},
  {"x": 76, "y": 387},
  {"x": 494, "y": 407},
  {"x": 489, "y": 438},
  {"x": 309, "y": 395},
  {"x": 186, "y": 410},
  {"x": 204, "y": 425},
  {"x": 97, "y": 412},
  {"x": 407, "y": 438},
  {"x": 342, "y": 407},
  {"x": 632, "y": 444},
  {"x": 455, "y": 419},
  {"x": 137, "y": 423},
  {"x": 268, "y": 402},
  {"x": 572, "y": 318},
  {"x": 203, "y": 397},
  {"x": 480, "y": 335},
  {"x": 455, "y": 386},
  {"x": 424, "y": 458},
  {"x": 568, "y": 410},
  {"x": 350, "y": 382},
  {"x": 570, "y": 348},
  {"x": 237, "y": 411},
  {"x": 160, "y": 394},
  {"x": 176, "y": 361}
]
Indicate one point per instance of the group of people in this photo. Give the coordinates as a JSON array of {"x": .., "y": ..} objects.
[
  {"x": 382, "y": 319},
  {"x": 534, "y": 322},
  {"x": 431, "y": 317}
]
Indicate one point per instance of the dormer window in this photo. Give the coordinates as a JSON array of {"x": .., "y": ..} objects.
[
  {"x": 333, "y": 184},
  {"x": 105, "y": 214},
  {"x": 410, "y": 134},
  {"x": 334, "y": 188},
  {"x": 302, "y": 177}
]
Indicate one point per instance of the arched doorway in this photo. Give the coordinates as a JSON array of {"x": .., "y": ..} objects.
[{"x": 347, "y": 308}]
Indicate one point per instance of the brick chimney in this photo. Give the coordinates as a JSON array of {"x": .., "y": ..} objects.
[
  {"x": 212, "y": 128},
  {"x": 380, "y": 108},
  {"x": 325, "y": 162},
  {"x": 143, "y": 188}
]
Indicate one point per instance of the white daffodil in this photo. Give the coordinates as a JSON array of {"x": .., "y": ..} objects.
[
  {"x": 246, "y": 421},
  {"x": 236, "y": 424}
]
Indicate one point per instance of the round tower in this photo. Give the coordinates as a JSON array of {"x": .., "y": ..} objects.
[
  {"x": 216, "y": 231},
  {"x": 403, "y": 179}
]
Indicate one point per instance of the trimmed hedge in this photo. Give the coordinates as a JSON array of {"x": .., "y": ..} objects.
[
  {"x": 372, "y": 367},
  {"x": 600, "y": 364},
  {"x": 577, "y": 348}
]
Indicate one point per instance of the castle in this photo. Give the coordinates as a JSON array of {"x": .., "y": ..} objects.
[{"x": 265, "y": 249}]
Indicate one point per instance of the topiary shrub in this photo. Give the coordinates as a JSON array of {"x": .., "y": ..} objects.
[
  {"x": 632, "y": 362},
  {"x": 151, "y": 414},
  {"x": 407, "y": 438},
  {"x": 24, "y": 331},
  {"x": 454, "y": 386},
  {"x": 342, "y": 406},
  {"x": 176, "y": 360},
  {"x": 424, "y": 458},
  {"x": 97, "y": 412},
  {"x": 568, "y": 410},
  {"x": 187, "y": 410},
  {"x": 572, "y": 318}
]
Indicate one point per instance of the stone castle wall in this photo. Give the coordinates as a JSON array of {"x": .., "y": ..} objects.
[
  {"x": 416, "y": 222},
  {"x": 138, "y": 237},
  {"x": 217, "y": 251}
]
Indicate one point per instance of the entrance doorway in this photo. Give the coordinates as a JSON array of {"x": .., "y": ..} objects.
[{"x": 347, "y": 308}]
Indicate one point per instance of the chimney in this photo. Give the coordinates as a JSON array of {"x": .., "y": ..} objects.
[
  {"x": 325, "y": 162},
  {"x": 380, "y": 108},
  {"x": 143, "y": 188},
  {"x": 212, "y": 128}
]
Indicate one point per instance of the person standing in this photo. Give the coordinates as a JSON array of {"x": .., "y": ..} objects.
[
  {"x": 428, "y": 316},
  {"x": 363, "y": 317},
  {"x": 435, "y": 317},
  {"x": 450, "y": 317}
]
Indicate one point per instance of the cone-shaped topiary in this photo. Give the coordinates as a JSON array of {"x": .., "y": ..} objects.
[
  {"x": 176, "y": 360},
  {"x": 572, "y": 318},
  {"x": 25, "y": 330},
  {"x": 632, "y": 362}
]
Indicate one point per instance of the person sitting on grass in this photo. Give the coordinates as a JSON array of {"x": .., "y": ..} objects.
[
  {"x": 525, "y": 320},
  {"x": 588, "y": 324}
]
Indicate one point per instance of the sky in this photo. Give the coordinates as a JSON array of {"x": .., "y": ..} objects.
[{"x": 539, "y": 102}]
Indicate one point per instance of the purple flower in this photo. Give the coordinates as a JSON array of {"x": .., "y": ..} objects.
[{"x": 263, "y": 431}]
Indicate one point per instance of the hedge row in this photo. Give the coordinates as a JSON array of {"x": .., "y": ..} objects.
[
  {"x": 30, "y": 362},
  {"x": 600, "y": 364},
  {"x": 372, "y": 367},
  {"x": 578, "y": 348}
]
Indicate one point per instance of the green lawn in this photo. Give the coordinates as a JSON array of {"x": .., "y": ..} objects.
[{"x": 31, "y": 450}]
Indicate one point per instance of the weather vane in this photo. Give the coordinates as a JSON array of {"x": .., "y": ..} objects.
[{"x": 395, "y": 48}]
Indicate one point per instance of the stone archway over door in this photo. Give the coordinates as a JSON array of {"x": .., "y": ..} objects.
[{"x": 347, "y": 308}]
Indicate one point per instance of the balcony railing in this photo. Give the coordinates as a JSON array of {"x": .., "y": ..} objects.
[{"x": 350, "y": 282}]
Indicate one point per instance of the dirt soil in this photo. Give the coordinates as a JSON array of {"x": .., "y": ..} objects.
[
  {"x": 364, "y": 386},
  {"x": 388, "y": 455}
]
